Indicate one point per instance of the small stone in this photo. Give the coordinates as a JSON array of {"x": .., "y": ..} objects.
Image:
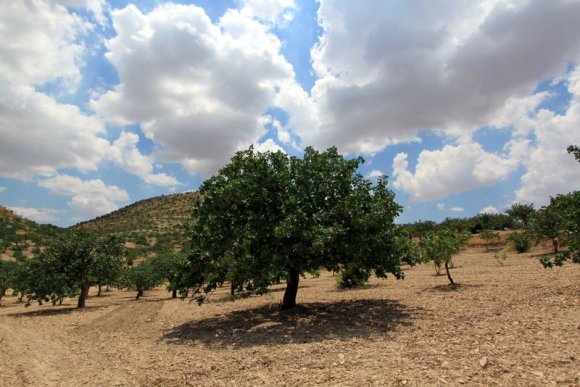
[
  {"x": 538, "y": 374},
  {"x": 445, "y": 364},
  {"x": 483, "y": 361}
]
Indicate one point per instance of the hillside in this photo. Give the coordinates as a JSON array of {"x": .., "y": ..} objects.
[
  {"x": 20, "y": 236},
  {"x": 150, "y": 222}
]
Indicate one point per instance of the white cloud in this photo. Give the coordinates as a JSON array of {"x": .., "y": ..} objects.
[
  {"x": 39, "y": 215},
  {"x": 124, "y": 153},
  {"x": 2, "y": 189},
  {"x": 457, "y": 209},
  {"x": 489, "y": 210},
  {"x": 89, "y": 198},
  {"x": 198, "y": 89},
  {"x": 550, "y": 170},
  {"x": 39, "y": 134},
  {"x": 453, "y": 169},
  {"x": 375, "y": 173},
  {"x": 440, "y": 206},
  {"x": 382, "y": 78},
  {"x": 268, "y": 146},
  {"x": 270, "y": 11}
]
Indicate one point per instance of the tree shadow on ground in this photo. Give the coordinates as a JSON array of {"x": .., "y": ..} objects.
[
  {"x": 54, "y": 311},
  {"x": 314, "y": 322},
  {"x": 451, "y": 287}
]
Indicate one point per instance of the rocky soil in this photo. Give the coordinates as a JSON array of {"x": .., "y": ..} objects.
[{"x": 510, "y": 324}]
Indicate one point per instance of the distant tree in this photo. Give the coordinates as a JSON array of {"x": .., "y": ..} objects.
[
  {"x": 574, "y": 150},
  {"x": 268, "y": 216},
  {"x": 488, "y": 236},
  {"x": 439, "y": 247},
  {"x": 169, "y": 264},
  {"x": 547, "y": 223},
  {"x": 140, "y": 278},
  {"x": 8, "y": 270},
  {"x": 109, "y": 259},
  {"x": 70, "y": 264},
  {"x": 521, "y": 212}
]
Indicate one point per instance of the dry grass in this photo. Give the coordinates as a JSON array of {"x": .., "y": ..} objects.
[{"x": 516, "y": 324}]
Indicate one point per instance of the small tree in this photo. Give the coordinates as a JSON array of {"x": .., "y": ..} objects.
[
  {"x": 547, "y": 223},
  {"x": 140, "y": 278},
  {"x": 440, "y": 246},
  {"x": 8, "y": 271},
  {"x": 568, "y": 209},
  {"x": 267, "y": 216},
  {"x": 521, "y": 212},
  {"x": 488, "y": 236},
  {"x": 522, "y": 241},
  {"x": 109, "y": 257},
  {"x": 168, "y": 264}
]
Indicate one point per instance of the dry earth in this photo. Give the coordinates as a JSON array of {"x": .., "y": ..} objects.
[{"x": 511, "y": 324}]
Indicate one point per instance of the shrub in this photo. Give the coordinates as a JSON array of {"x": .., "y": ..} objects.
[
  {"x": 352, "y": 276},
  {"x": 521, "y": 241}
]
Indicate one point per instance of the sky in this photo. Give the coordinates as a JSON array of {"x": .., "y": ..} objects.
[{"x": 466, "y": 105}]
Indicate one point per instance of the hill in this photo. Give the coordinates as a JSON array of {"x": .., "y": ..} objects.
[
  {"x": 154, "y": 222},
  {"x": 19, "y": 237}
]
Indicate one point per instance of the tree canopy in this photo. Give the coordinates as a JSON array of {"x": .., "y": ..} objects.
[{"x": 267, "y": 217}]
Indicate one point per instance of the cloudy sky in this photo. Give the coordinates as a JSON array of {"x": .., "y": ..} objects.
[{"x": 466, "y": 105}]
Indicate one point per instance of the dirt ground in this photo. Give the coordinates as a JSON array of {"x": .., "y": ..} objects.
[{"x": 510, "y": 324}]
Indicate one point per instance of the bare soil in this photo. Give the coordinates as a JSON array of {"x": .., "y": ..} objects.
[{"x": 510, "y": 324}]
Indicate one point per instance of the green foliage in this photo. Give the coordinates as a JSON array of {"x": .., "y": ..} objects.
[
  {"x": 352, "y": 276},
  {"x": 547, "y": 223},
  {"x": 268, "y": 216},
  {"x": 72, "y": 262},
  {"x": 8, "y": 272},
  {"x": 521, "y": 212},
  {"x": 140, "y": 278},
  {"x": 521, "y": 241},
  {"x": 500, "y": 258},
  {"x": 439, "y": 247},
  {"x": 574, "y": 150},
  {"x": 476, "y": 224},
  {"x": 108, "y": 262},
  {"x": 489, "y": 236},
  {"x": 169, "y": 265},
  {"x": 567, "y": 208}
]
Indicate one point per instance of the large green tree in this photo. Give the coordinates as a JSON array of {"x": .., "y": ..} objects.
[
  {"x": 268, "y": 217},
  {"x": 71, "y": 263},
  {"x": 521, "y": 212},
  {"x": 8, "y": 272}
]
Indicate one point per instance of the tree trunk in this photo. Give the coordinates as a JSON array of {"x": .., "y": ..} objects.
[
  {"x": 83, "y": 296},
  {"x": 139, "y": 294},
  {"x": 99, "y": 290},
  {"x": 232, "y": 289},
  {"x": 174, "y": 293},
  {"x": 555, "y": 244},
  {"x": 289, "y": 301},
  {"x": 2, "y": 294},
  {"x": 448, "y": 274}
]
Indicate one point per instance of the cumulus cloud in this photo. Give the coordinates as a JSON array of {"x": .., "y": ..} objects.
[
  {"x": 271, "y": 11},
  {"x": 268, "y": 146},
  {"x": 88, "y": 198},
  {"x": 375, "y": 173},
  {"x": 124, "y": 153},
  {"x": 550, "y": 170},
  {"x": 40, "y": 215},
  {"x": 198, "y": 89},
  {"x": 39, "y": 134},
  {"x": 440, "y": 206},
  {"x": 2, "y": 189},
  {"x": 381, "y": 78},
  {"x": 453, "y": 169},
  {"x": 457, "y": 209},
  {"x": 489, "y": 210}
]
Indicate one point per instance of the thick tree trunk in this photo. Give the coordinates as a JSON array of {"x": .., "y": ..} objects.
[
  {"x": 83, "y": 296},
  {"x": 448, "y": 274},
  {"x": 99, "y": 290},
  {"x": 139, "y": 294},
  {"x": 555, "y": 244},
  {"x": 174, "y": 293},
  {"x": 289, "y": 300}
]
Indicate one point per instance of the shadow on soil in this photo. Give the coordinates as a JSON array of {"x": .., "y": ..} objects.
[
  {"x": 451, "y": 288},
  {"x": 308, "y": 323},
  {"x": 54, "y": 311}
]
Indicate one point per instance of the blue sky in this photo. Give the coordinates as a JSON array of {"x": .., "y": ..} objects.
[{"x": 467, "y": 106}]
